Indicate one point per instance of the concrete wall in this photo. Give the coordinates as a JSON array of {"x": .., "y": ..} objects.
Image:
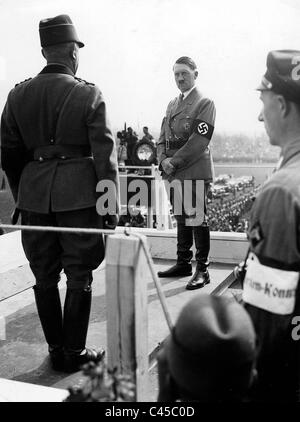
[
  {"x": 16, "y": 276},
  {"x": 227, "y": 248}
]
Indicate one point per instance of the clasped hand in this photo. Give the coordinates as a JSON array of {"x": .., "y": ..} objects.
[{"x": 168, "y": 166}]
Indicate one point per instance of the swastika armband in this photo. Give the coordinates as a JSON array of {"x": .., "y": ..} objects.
[
  {"x": 270, "y": 289},
  {"x": 204, "y": 129}
]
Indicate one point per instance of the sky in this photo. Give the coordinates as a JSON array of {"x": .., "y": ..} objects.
[{"x": 131, "y": 46}]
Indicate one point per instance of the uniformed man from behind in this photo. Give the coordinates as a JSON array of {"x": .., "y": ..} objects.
[
  {"x": 271, "y": 285},
  {"x": 56, "y": 146},
  {"x": 184, "y": 155}
]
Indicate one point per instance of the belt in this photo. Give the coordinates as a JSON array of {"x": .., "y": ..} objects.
[
  {"x": 63, "y": 152},
  {"x": 176, "y": 144}
]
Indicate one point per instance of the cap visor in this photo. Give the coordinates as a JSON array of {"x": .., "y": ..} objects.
[
  {"x": 80, "y": 44},
  {"x": 265, "y": 85},
  {"x": 261, "y": 87}
]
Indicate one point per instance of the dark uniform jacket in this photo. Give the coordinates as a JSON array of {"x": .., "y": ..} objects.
[
  {"x": 271, "y": 287},
  {"x": 56, "y": 143},
  {"x": 185, "y": 135}
]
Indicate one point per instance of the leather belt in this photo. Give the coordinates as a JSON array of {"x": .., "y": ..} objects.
[
  {"x": 63, "y": 152},
  {"x": 177, "y": 144}
]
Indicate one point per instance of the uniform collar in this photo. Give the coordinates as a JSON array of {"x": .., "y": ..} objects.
[
  {"x": 190, "y": 99},
  {"x": 186, "y": 93},
  {"x": 290, "y": 151},
  {"x": 57, "y": 68}
]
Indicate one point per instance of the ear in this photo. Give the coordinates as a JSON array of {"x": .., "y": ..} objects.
[
  {"x": 73, "y": 54},
  {"x": 196, "y": 74},
  {"x": 42, "y": 50},
  {"x": 284, "y": 105}
]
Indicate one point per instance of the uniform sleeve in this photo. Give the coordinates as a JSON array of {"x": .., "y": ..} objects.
[
  {"x": 14, "y": 155},
  {"x": 102, "y": 141},
  {"x": 161, "y": 143},
  {"x": 274, "y": 233},
  {"x": 200, "y": 137}
]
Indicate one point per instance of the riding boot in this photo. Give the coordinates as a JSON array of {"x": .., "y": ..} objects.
[
  {"x": 50, "y": 314},
  {"x": 202, "y": 242},
  {"x": 183, "y": 266},
  {"x": 77, "y": 309}
]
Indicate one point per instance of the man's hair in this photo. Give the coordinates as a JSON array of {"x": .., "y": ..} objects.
[
  {"x": 58, "y": 51},
  {"x": 187, "y": 61},
  {"x": 145, "y": 127}
]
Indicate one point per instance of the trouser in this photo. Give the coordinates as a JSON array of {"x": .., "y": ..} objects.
[
  {"x": 193, "y": 227},
  {"x": 78, "y": 255},
  {"x": 185, "y": 237},
  {"x": 49, "y": 253}
]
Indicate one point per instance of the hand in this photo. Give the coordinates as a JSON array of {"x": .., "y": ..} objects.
[
  {"x": 168, "y": 166},
  {"x": 110, "y": 221}
]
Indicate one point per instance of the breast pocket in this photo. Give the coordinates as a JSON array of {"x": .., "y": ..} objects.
[{"x": 185, "y": 125}]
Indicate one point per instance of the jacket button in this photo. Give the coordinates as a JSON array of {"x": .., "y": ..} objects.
[{"x": 41, "y": 159}]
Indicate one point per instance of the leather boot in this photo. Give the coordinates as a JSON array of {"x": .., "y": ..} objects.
[
  {"x": 181, "y": 269},
  {"x": 77, "y": 309},
  {"x": 183, "y": 266},
  {"x": 50, "y": 314},
  {"x": 202, "y": 243},
  {"x": 200, "y": 279}
]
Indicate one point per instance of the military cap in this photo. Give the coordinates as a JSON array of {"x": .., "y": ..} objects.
[
  {"x": 57, "y": 30},
  {"x": 211, "y": 351},
  {"x": 283, "y": 74}
]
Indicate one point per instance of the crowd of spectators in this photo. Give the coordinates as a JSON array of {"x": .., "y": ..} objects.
[{"x": 230, "y": 214}]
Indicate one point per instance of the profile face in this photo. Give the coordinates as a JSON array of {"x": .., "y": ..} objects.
[
  {"x": 185, "y": 77},
  {"x": 270, "y": 115}
]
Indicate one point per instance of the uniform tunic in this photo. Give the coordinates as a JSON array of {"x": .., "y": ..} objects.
[
  {"x": 271, "y": 292},
  {"x": 185, "y": 135},
  {"x": 56, "y": 145}
]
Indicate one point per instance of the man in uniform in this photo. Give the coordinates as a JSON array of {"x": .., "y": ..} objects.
[
  {"x": 147, "y": 135},
  {"x": 184, "y": 155},
  {"x": 271, "y": 284},
  {"x": 56, "y": 146},
  {"x": 131, "y": 141}
]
